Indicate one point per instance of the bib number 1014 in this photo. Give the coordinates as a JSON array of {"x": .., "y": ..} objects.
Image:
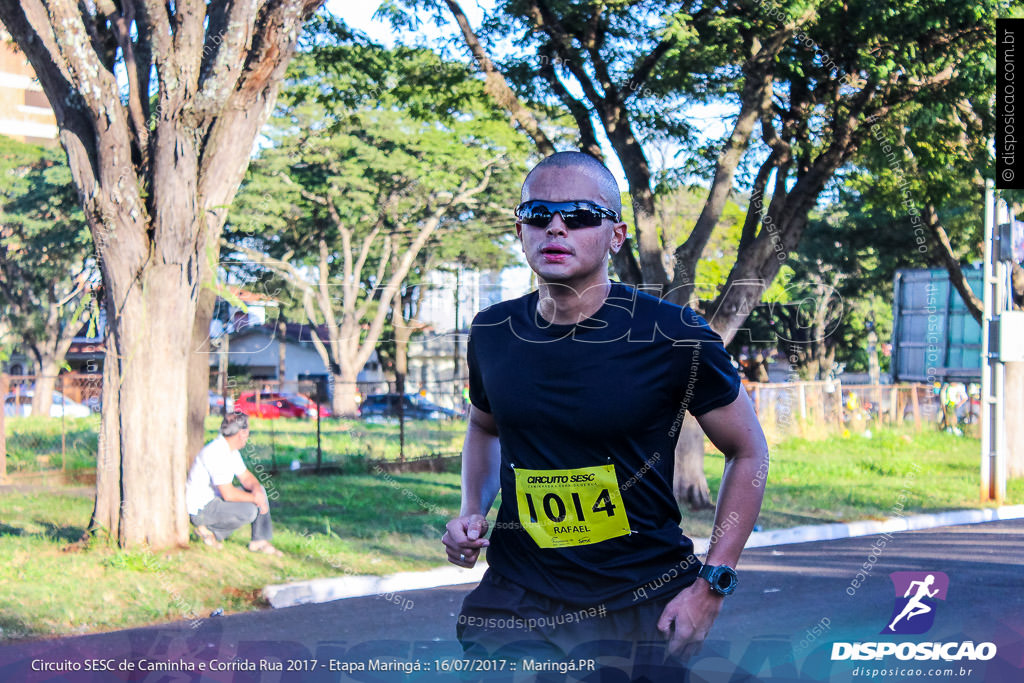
[{"x": 555, "y": 507}]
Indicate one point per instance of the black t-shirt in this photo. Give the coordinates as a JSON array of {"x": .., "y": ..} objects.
[{"x": 608, "y": 391}]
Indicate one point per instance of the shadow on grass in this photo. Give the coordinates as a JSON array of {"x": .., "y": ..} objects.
[
  {"x": 51, "y": 531},
  {"x": 412, "y": 481},
  {"x": 6, "y": 530},
  {"x": 13, "y": 629},
  {"x": 69, "y": 534}
]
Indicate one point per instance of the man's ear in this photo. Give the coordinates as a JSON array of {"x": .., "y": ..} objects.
[
  {"x": 619, "y": 233},
  {"x": 519, "y": 232}
]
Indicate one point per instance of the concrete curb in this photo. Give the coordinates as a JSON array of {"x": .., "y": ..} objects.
[
  {"x": 325, "y": 590},
  {"x": 868, "y": 527}
]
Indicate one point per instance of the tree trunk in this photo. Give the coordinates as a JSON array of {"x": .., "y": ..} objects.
[
  {"x": 105, "y": 514},
  {"x": 282, "y": 329},
  {"x": 46, "y": 380},
  {"x": 199, "y": 375},
  {"x": 50, "y": 353},
  {"x": 758, "y": 370},
  {"x": 140, "y": 484},
  {"x": 403, "y": 332},
  {"x": 1013, "y": 398},
  {"x": 343, "y": 399},
  {"x": 690, "y": 484},
  {"x": 402, "y": 335},
  {"x": 153, "y": 189}
]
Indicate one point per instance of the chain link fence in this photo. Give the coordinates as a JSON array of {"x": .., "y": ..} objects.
[
  {"x": 293, "y": 424},
  {"x": 821, "y": 409},
  {"x": 49, "y": 423}
]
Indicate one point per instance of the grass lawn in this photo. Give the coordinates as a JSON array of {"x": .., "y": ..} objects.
[
  {"x": 34, "y": 443},
  {"x": 327, "y": 526},
  {"x": 846, "y": 479},
  {"x": 379, "y": 524}
]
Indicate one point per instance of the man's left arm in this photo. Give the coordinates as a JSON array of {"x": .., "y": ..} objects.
[
  {"x": 251, "y": 484},
  {"x": 735, "y": 431}
]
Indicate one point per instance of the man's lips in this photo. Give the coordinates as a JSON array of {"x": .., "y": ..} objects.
[{"x": 555, "y": 249}]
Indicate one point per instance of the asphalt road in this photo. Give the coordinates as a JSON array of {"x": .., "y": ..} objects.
[{"x": 792, "y": 604}]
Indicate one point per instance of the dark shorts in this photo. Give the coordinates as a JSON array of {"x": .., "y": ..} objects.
[{"x": 502, "y": 620}]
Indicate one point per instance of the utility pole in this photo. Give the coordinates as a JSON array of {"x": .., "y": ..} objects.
[
  {"x": 223, "y": 347},
  {"x": 1001, "y": 334},
  {"x": 456, "y": 356},
  {"x": 874, "y": 369}
]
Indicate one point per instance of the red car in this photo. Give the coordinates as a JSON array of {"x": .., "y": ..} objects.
[{"x": 274, "y": 404}]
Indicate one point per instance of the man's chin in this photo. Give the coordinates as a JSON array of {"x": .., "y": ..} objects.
[{"x": 562, "y": 279}]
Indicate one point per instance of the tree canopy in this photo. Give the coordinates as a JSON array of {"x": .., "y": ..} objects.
[
  {"x": 363, "y": 177},
  {"x": 48, "y": 271}
]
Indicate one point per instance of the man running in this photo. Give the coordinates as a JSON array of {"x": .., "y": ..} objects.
[{"x": 578, "y": 391}]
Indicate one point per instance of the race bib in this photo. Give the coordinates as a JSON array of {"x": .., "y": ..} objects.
[{"x": 561, "y": 508}]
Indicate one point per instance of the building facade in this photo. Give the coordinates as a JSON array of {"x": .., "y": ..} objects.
[{"x": 25, "y": 113}]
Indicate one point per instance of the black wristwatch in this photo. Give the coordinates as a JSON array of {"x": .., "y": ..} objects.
[{"x": 722, "y": 578}]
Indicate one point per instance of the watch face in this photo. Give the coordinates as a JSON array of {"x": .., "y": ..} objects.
[{"x": 723, "y": 580}]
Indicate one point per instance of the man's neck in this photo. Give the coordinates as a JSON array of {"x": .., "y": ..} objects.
[{"x": 565, "y": 305}]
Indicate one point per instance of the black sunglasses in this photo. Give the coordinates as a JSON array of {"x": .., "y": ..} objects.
[{"x": 579, "y": 213}]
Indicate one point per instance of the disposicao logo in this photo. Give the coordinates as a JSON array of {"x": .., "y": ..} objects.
[{"x": 917, "y": 594}]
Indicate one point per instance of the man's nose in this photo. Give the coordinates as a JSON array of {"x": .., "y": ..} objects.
[{"x": 557, "y": 225}]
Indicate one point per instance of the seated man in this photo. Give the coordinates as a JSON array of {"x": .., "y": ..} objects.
[{"x": 215, "y": 505}]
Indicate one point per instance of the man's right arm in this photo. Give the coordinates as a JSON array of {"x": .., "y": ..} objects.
[
  {"x": 481, "y": 464},
  {"x": 232, "y": 494}
]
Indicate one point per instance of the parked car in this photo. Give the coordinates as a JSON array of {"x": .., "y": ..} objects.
[
  {"x": 273, "y": 404},
  {"x": 20, "y": 404},
  {"x": 385, "y": 407},
  {"x": 311, "y": 407},
  {"x": 94, "y": 403},
  {"x": 217, "y": 403}
]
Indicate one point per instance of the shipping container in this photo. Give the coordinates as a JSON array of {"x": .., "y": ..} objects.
[{"x": 934, "y": 336}]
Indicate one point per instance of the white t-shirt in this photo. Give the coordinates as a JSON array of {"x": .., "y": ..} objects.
[{"x": 215, "y": 465}]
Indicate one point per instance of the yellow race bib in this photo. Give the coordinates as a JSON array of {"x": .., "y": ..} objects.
[{"x": 560, "y": 508}]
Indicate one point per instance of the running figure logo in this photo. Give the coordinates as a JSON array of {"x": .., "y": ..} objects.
[{"x": 916, "y": 596}]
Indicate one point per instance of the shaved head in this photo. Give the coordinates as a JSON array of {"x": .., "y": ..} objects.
[{"x": 582, "y": 163}]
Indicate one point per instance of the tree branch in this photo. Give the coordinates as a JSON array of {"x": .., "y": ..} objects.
[
  {"x": 545, "y": 21},
  {"x": 588, "y": 137},
  {"x": 951, "y": 263},
  {"x": 497, "y": 87},
  {"x": 121, "y": 23},
  {"x": 324, "y": 297},
  {"x": 754, "y": 210},
  {"x": 229, "y": 36},
  {"x": 399, "y": 273},
  {"x": 321, "y": 349},
  {"x": 646, "y": 66},
  {"x": 228, "y": 141}
]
